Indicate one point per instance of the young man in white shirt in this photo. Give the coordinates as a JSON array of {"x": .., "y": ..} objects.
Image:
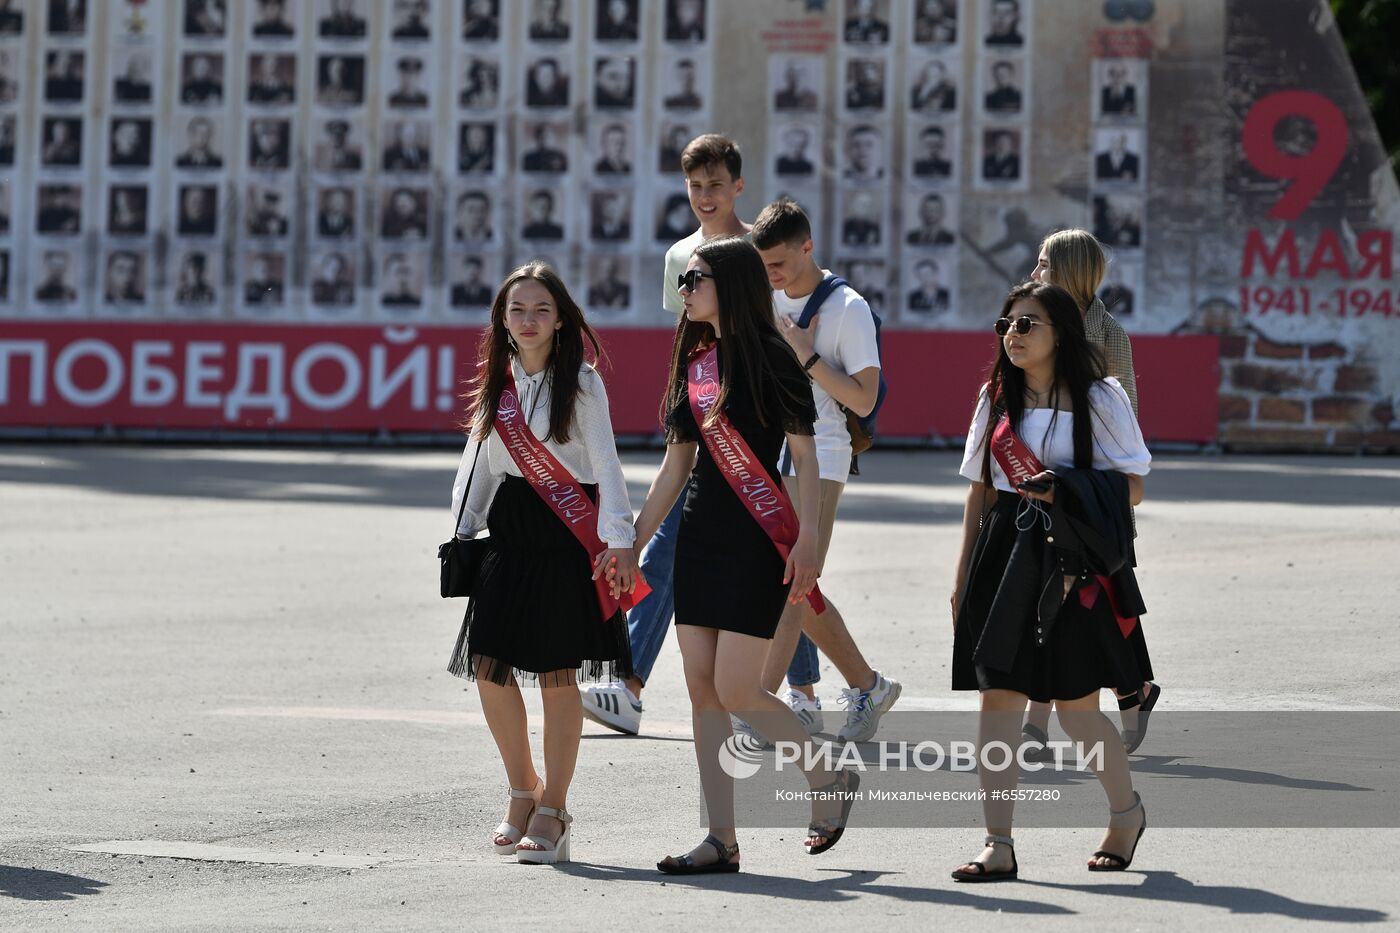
[
  {"x": 714, "y": 179},
  {"x": 838, "y": 350}
]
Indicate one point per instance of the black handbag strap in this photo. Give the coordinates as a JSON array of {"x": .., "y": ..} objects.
[{"x": 466, "y": 492}]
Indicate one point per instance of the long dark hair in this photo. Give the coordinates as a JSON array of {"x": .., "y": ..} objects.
[
  {"x": 495, "y": 350},
  {"x": 750, "y": 333},
  {"x": 1078, "y": 365}
]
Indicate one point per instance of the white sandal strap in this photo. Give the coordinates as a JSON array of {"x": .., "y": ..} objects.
[
  {"x": 560, "y": 815},
  {"x": 519, "y": 794},
  {"x": 510, "y": 832},
  {"x": 993, "y": 839}
]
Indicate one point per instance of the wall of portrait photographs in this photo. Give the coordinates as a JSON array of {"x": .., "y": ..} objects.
[{"x": 1118, "y": 201}]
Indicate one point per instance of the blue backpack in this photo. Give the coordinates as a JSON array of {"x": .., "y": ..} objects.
[{"x": 862, "y": 428}]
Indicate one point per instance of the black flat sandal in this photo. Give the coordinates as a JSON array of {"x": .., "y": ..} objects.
[
  {"x": 978, "y": 873},
  {"x": 1132, "y": 738},
  {"x": 1120, "y": 863},
  {"x": 846, "y": 783},
  {"x": 685, "y": 864}
]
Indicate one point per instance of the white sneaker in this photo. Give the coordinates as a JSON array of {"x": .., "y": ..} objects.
[
  {"x": 865, "y": 707},
  {"x": 742, "y": 728},
  {"x": 614, "y": 706},
  {"x": 808, "y": 709}
]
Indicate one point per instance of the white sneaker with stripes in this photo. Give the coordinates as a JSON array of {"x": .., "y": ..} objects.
[{"x": 614, "y": 706}]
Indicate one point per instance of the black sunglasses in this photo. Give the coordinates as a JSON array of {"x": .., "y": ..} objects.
[
  {"x": 690, "y": 279},
  {"x": 1022, "y": 325}
]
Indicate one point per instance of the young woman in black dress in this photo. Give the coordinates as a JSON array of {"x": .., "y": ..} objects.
[
  {"x": 731, "y": 582},
  {"x": 1047, "y": 381},
  {"x": 534, "y": 616}
]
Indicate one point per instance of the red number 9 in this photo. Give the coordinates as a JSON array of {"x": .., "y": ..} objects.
[{"x": 1309, "y": 173}]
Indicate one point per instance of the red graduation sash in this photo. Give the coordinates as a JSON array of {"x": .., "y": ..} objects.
[
  {"x": 766, "y": 502},
  {"x": 1019, "y": 465},
  {"x": 556, "y": 486}
]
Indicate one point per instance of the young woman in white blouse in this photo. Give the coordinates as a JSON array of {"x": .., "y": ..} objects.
[
  {"x": 534, "y": 616},
  {"x": 1045, "y": 407}
]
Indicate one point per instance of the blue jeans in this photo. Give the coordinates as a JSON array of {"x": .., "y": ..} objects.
[
  {"x": 803, "y": 671},
  {"x": 649, "y": 619}
]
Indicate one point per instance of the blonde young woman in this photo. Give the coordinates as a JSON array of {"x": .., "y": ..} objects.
[{"x": 1074, "y": 260}]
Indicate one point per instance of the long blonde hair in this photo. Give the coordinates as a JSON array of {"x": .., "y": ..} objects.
[{"x": 1076, "y": 263}]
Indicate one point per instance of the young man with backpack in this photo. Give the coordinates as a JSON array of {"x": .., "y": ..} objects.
[{"x": 836, "y": 339}]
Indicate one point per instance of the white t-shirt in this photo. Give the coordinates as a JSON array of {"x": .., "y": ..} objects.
[
  {"x": 677, "y": 258},
  {"x": 845, "y": 338},
  {"x": 1118, "y": 443}
]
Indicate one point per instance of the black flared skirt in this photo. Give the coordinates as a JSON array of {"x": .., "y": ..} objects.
[
  {"x": 1086, "y": 651},
  {"x": 534, "y": 616}
]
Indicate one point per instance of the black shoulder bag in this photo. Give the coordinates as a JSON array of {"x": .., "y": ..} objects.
[{"x": 461, "y": 557}]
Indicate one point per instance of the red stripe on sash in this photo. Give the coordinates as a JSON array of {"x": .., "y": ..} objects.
[
  {"x": 1019, "y": 465},
  {"x": 766, "y": 502},
  {"x": 556, "y": 486}
]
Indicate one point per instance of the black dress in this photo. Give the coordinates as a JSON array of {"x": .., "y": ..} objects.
[
  {"x": 534, "y": 615},
  {"x": 1085, "y": 652},
  {"x": 728, "y": 574}
]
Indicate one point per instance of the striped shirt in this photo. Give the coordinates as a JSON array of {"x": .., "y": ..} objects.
[{"x": 1103, "y": 331}]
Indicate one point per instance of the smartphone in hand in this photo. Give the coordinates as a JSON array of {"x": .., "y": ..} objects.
[{"x": 1035, "y": 485}]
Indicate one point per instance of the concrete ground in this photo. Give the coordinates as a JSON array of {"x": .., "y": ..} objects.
[{"x": 223, "y": 706}]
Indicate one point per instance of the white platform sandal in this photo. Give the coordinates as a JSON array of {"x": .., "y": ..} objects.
[
  {"x": 511, "y": 832},
  {"x": 550, "y": 852}
]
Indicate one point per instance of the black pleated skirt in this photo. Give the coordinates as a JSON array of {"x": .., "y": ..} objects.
[
  {"x": 534, "y": 617},
  {"x": 1086, "y": 650}
]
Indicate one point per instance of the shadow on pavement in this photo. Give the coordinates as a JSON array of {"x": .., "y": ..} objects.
[{"x": 34, "y": 884}]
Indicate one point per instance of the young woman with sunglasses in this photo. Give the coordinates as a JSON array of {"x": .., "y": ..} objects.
[
  {"x": 1047, "y": 404},
  {"x": 536, "y": 614},
  {"x": 1074, "y": 260},
  {"x": 735, "y": 394}
]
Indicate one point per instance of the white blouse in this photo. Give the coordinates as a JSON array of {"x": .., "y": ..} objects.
[
  {"x": 590, "y": 455},
  {"x": 1118, "y": 443}
]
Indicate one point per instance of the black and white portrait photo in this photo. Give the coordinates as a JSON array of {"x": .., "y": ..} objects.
[
  {"x": 126, "y": 210},
  {"x": 67, "y": 17},
  {"x": 264, "y": 279},
  {"x": 11, "y": 19},
  {"x": 481, "y": 84},
  {"x": 205, "y": 19},
  {"x": 863, "y": 148},
  {"x": 1003, "y": 24},
  {"x": 402, "y": 284},
  {"x": 194, "y": 280},
  {"x": 199, "y": 148},
  {"x": 1003, "y": 90},
  {"x": 685, "y": 20},
  {"x": 1121, "y": 88},
  {"x": 131, "y": 78},
  {"x": 1118, "y": 220},
  {"x": 614, "y": 150},
  {"x": 202, "y": 78},
  {"x": 927, "y": 226},
  {"x": 407, "y": 146},
  {"x": 408, "y": 92},
  {"x": 472, "y": 218},
  {"x": 862, "y": 222},
  {"x": 544, "y": 148},
  {"x": 867, "y": 22},
  {"x": 7, "y": 138},
  {"x": 615, "y": 83},
  {"x": 549, "y": 21},
  {"x": 675, "y": 220},
  {"x": 338, "y": 147},
  {"x": 1121, "y": 284},
  {"x": 56, "y": 278},
  {"x": 340, "y": 80},
  {"x": 476, "y": 148},
  {"x": 867, "y": 276},
  {"x": 794, "y": 157},
  {"x": 333, "y": 280},
  {"x": 272, "y": 19},
  {"x": 63, "y": 76},
  {"x": 62, "y": 145},
  {"x": 617, "y": 20},
  {"x": 610, "y": 283},
  {"x": 610, "y": 216},
  {"x": 404, "y": 214},
  {"x": 9, "y": 78},
  {"x": 130, "y": 143},
  {"x": 540, "y": 222},
  {"x": 410, "y": 21},
  {"x": 197, "y": 210},
  {"x": 794, "y": 83},
  {"x": 927, "y": 293},
  {"x": 342, "y": 19},
  {"x": 683, "y": 88},
  {"x": 124, "y": 278},
  {"x": 931, "y": 158},
  {"x": 481, "y": 20},
  {"x": 269, "y": 144},
  {"x": 865, "y": 84},
  {"x": 1118, "y": 155},
  {"x": 933, "y": 89},
  {"x": 267, "y": 212},
  {"x": 335, "y": 213},
  {"x": 674, "y": 138},
  {"x": 1001, "y": 155},
  {"x": 272, "y": 79},
  {"x": 546, "y": 84},
  {"x": 469, "y": 286},
  {"x": 60, "y": 209},
  {"x": 935, "y": 22}
]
